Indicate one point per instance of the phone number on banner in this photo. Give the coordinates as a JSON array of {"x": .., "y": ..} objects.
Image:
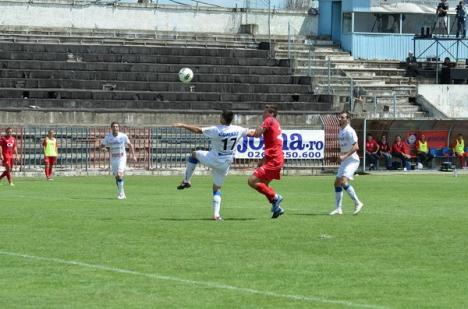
[{"x": 297, "y": 144}]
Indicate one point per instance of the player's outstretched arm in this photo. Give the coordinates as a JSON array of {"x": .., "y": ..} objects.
[
  {"x": 191, "y": 128},
  {"x": 257, "y": 132},
  {"x": 132, "y": 151}
]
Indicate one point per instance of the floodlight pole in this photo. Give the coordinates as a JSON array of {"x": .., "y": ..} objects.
[
  {"x": 364, "y": 135},
  {"x": 269, "y": 28}
]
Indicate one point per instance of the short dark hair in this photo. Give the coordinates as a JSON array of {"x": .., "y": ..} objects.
[
  {"x": 345, "y": 112},
  {"x": 9, "y": 128},
  {"x": 227, "y": 116},
  {"x": 114, "y": 122},
  {"x": 272, "y": 109}
]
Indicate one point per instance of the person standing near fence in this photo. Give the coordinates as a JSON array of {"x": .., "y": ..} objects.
[
  {"x": 50, "y": 147},
  {"x": 458, "y": 149},
  {"x": 349, "y": 164},
  {"x": 270, "y": 166},
  {"x": 461, "y": 19},
  {"x": 372, "y": 151},
  {"x": 8, "y": 151},
  {"x": 442, "y": 18},
  {"x": 117, "y": 141},
  {"x": 224, "y": 139}
]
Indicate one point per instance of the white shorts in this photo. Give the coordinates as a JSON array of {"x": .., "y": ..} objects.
[
  {"x": 347, "y": 168},
  {"x": 219, "y": 164},
  {"x": 118, "y": 165}
]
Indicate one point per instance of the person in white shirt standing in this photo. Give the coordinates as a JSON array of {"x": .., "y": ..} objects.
[
  {"x": 349, "y": 164},
  {"x": 117, "y": 141},
  {"x": 224, "y": 139}
]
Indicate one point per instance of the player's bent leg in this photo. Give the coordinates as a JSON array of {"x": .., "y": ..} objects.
[
  {"x": 261, "y": 185},
  {"x": 192, "y": 162}
]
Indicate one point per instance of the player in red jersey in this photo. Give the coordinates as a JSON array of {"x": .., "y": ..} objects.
[
  {"x": 269, "y": 167},
  {"x": 7, "y": 153}
]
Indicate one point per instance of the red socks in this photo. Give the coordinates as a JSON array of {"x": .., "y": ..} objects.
[
  {"x": 48, "y": 170},
  {"x": 7, "y": 174},
  {"x": 266, "y": 190}
]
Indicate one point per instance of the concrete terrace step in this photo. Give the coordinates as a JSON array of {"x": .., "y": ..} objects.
[
  {"x": 94, "y": 105},
  {"x": 140, "y": 67},
  {"x": 152, "y": 86},
  {"x": 105, "y": 76},
  {"x": 46, "y": 93},
  {"x": 125, "y": 42},
  {"x": 164, "y": 59},
  {"x": 126, "y": 50}
]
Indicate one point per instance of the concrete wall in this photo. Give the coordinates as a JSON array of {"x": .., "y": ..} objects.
[
  {"x": 147, "y": 119},
  {"x": 72, "y": 14},
  {"x": 452, "y": 100}
]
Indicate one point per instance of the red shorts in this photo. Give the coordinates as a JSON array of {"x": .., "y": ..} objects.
[
  {"x": 270, "y": 170},
  {"x": 8, "y": 161},
  {"x": 50, "y": 160}
]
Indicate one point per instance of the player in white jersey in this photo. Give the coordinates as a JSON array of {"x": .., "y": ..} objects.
[
  {"x": 117, "y": 141},
  {"x": 349, "y": 164},
  {"x": 224, "y": 139}
]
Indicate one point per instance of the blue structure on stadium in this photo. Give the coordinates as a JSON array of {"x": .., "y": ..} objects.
[{"x": 368, "y": 28}]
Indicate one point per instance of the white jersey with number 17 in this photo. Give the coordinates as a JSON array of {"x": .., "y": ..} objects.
[{"x": 224, "y": 139}]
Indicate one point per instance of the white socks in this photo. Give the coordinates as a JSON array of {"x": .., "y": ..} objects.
[
  {"x": 191, "y": 165},
  {"x": 338, "y": 196},
  {"x": 216, "y": 203},
  {"x": 120, "y": 185},
  {"x": 352, "y": 194}
]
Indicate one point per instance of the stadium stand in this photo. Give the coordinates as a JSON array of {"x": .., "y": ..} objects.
[
  {"x": 71, "y": 77},
  {"x": 382, "y": 80}
]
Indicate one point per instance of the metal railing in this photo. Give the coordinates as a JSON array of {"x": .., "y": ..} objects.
[{"x": 160, "y": 148}]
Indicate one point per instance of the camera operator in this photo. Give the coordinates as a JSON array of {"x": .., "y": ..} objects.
[
  {"x": 442, "y": 18},
  {"x": 461, "y": 17}
]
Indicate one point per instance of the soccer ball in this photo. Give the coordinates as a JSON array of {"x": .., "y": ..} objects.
[{"x": 185, "y": 75}]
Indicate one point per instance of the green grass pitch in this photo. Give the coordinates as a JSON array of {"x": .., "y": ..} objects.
[{"x": 71, "y": 244}]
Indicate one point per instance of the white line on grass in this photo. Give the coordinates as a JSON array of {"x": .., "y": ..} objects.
[{"x": 193, "y": 282}]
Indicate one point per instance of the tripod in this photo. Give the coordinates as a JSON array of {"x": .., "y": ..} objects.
[{"x": 440, "y": 19}]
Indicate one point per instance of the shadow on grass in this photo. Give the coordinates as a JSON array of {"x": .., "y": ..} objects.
[
  {"x": 206, "y": 219},
  {"x": 309, "y": 214}
]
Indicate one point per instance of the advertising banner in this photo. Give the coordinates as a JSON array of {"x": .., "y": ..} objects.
[{"x": 297, "y": 144}]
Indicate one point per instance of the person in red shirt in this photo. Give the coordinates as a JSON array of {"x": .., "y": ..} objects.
[
  {"x": 372, "y": 151},
  {"x": 400, "y": 151},
  {"x": 7, "y": 153},
  {"x": 270, "y": 166},
  {"x": 385, "y": 151}
]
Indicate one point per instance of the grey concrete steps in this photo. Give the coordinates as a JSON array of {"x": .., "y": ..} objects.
[
  {"x": 152, "y": 86},
  {"x": 90, "y": 105},
  {"x": 129, "y": 58},
  {"x": 139, "y": 67},
  {"x": 47, "y": 93},
  {"x": 126, "y": 50},
  {"x": 152, "y": 76}
]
